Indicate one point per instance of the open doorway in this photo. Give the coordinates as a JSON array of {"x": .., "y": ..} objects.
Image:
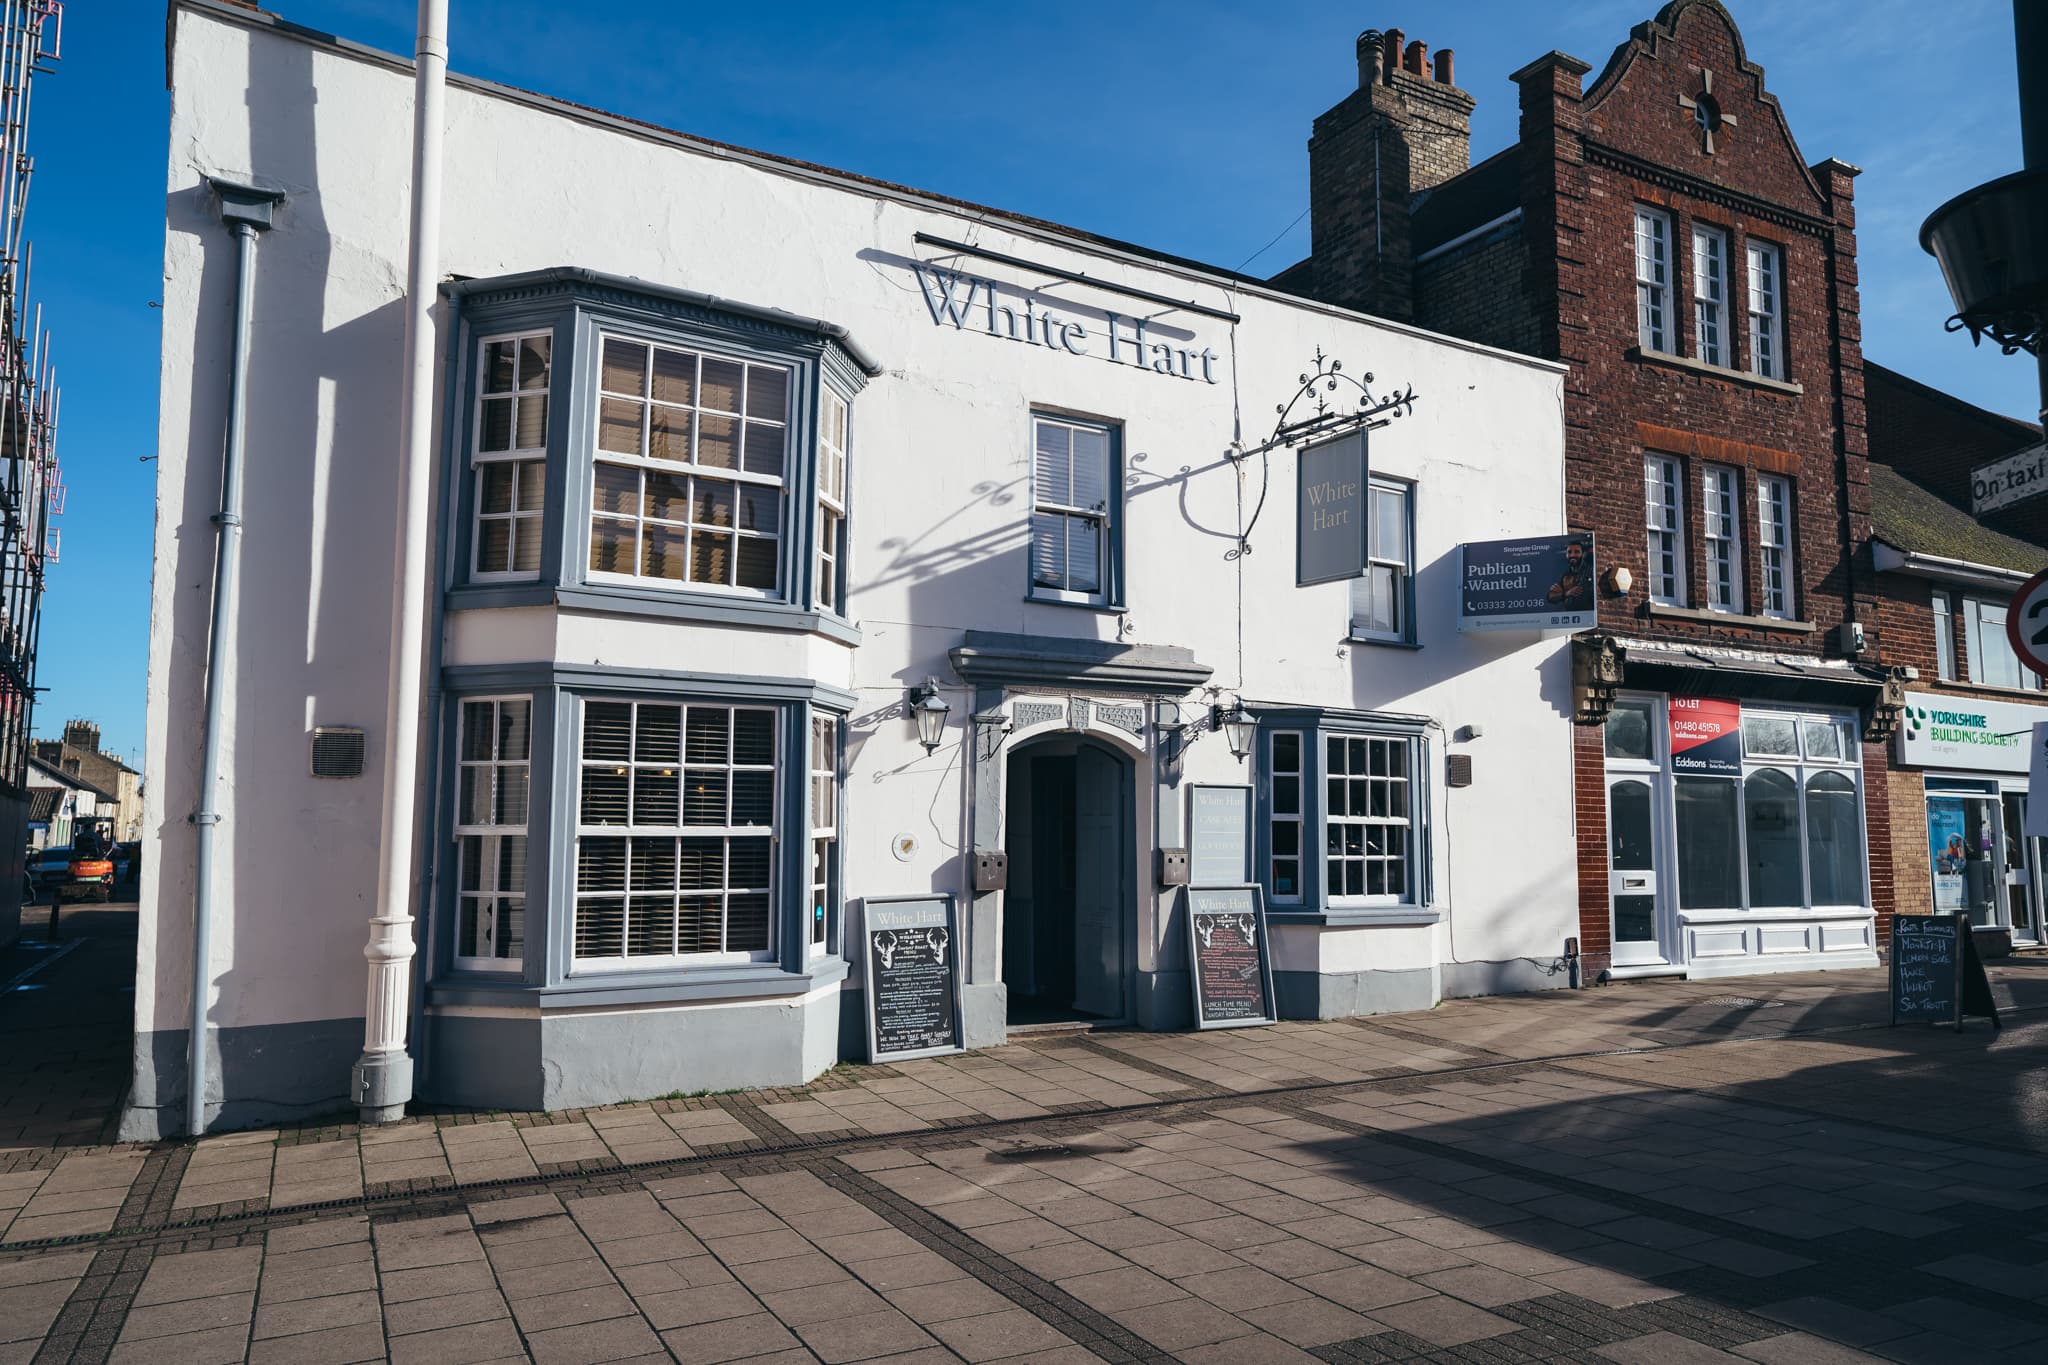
[{"x": 1069, "y": 913}]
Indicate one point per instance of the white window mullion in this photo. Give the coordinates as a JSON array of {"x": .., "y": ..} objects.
[
  {"x": 1653, "y": 278},
  {"x": 1766, "y": 298},
  {"x": 1709, "y": 294},
  {"x": 1774, "y": 543},
  {"x": 1722, "y": 530}
]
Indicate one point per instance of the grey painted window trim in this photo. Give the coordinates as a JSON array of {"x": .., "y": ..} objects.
[
  {"x": 1317, "y": 724},
  {"x": 1408, "y": 638},
  {"x": 575, "y": 306},
  {"x": 549, "y": 978},
  {"x": 1114, "y": 597}
]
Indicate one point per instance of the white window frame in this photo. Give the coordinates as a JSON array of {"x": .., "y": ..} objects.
[
  {"x": 1721, "y": 530},
  {"x": 1802, "y": 767},
  {"x": 1709, "y": 294},
  {"x": 1945, "y": 636},
  {"x": 1106, "y": 517},
  {"x": 691, "y": 469},
  {"x": 1406, "y": 783},
  {"x": 823, "y": 741},
  {"x": 1664, "y": 525},
  {"x": 628, "y": 831},
  {"x": 1766, "y": 310},
  {"x": 526, "y": 462},
  {"x": 834, "y": 439},
  {"x": 1979, "y": 626},
  {"x": 486, "y": 901},
  {"x": 1381, "y": 566},
  {"x": 1653, "y": 278},
  {"x": 1774, "y": 545}
]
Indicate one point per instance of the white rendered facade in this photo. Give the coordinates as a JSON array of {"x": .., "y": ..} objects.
[{"x": 874, "y": 472}]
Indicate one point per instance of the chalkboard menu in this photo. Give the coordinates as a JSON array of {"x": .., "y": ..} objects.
[
  {"x": 912, "y": 962},
  {"x": 1936, "y": 976},
  {"x": 1219, "y": 835},
  {"x": 1231, "y": 955}
]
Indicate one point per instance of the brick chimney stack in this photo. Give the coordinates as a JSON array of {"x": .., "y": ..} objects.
[
  {"x": 1404, "y": 129},
  {"x": 82, "y": 734}
]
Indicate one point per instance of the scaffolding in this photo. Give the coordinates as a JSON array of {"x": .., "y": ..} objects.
[{"x": 31, "y": 490}]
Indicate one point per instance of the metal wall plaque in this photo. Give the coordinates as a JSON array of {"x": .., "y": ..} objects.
[{"x": 910, "y": 950}]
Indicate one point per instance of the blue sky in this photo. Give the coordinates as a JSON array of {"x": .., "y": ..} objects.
[{"x": 1179, "y": 126}]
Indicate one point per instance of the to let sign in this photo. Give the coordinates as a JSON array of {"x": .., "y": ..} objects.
[
  {"x": 2020, "y": 475},
  {"x": 1706, "y": 736},
  {"x": 1330, "y": 512}
]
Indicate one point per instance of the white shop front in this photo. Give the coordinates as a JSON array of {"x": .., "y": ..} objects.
[{"x": 1973, "y": 753}]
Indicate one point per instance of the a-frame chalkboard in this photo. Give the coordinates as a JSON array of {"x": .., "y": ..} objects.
[{"x": 1936, "y": 975}]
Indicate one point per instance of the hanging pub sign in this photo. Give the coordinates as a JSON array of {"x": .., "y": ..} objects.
[
  {"x": 1330, "y": 511},
  {"x": 1231, "y": 957},
  {"x": 1532, "y": 583},
  {"x": 910, "y": 953},
  {"x": 1706, "y": 737}
]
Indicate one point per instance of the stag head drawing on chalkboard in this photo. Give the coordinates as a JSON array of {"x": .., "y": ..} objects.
[
  {"x": 1205, "y": 928},
  {"x": 886, "y": 944},
  {"x": 937, "y": 938},
  {"x": 1246, "y": 926}
]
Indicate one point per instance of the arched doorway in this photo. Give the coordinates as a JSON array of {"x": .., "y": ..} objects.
[{"x": 1069, "y": 914}]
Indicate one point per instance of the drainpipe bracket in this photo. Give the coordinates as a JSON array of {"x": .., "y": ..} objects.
[
  {"x": 226, "y": 519},
  {"x": 206, "y": 817}
]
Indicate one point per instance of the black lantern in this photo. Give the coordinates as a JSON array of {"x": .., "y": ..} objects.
[
  {"x": 929, "y": 710},
  {"x": 1236, "y": 724}
]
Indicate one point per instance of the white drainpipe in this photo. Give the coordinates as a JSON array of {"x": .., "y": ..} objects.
[{"x": 383, "y": 1076}]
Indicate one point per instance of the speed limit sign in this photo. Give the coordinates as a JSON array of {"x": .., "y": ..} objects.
[{"x": 2026, "y": 623}]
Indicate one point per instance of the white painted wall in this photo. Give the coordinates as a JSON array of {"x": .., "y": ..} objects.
[{"x": 940, "y": 477}]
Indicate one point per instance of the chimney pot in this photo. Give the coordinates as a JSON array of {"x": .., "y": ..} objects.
[
  {"x": 1415, "y": 59},
  {"x": 1443, "y": 66},
  {"x": 1372, "y": 55},
  {"x": 1393, "y": 38}
]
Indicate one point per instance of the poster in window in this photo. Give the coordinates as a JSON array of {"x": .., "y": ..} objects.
[
  {"x": 1706, "y": 736},
  {"x": 1946, "y": 820}
]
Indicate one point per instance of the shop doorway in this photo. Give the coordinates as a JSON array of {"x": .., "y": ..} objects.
[
  {"x": 1069, "y": 913},
  {"x": 1633, "y": 883}
]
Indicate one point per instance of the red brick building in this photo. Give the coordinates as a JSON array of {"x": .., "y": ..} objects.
[
  {"x": 1958, "y": 779},
  {"x": 1659, "y": 229}
]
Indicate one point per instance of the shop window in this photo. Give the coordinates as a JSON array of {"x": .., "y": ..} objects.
[
  {"x": 509, "y": 457},
  {"x": 1766, "y": 309},
  {"x": 1380, "y": 597},
  {"x": 1075, "y": 511},
  {"x": 1628, "y": 730},
  {"x": 493, "y": 791},
  {"x": 1357, "y": 794},
  {"x": 674, "y": 833},
  {"x": 1774, "y": 543},
  {"x": 688, "y": 478},
  {"x": 1709, "y": 294},
  {"x": 1720, "y": 497},
  {"x": 1771, "y": 829},
  {"x": 1834, "y": 839},
  {"x": 1664, "y": 516},
  {"x": 1990, "y": 657},
  {"x": 1653, "y": 278}
]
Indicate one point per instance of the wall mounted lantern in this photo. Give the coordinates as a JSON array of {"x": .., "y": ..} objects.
[
  {"x": 929, "y": 710},
  {"x": 1236, "y": 724}
]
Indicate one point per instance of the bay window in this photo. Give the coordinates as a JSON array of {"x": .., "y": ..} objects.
[
  {"x": 493, "y": 792},
  {"x": 510, "y": 454},
  {"x": 1344, "y": 813}
]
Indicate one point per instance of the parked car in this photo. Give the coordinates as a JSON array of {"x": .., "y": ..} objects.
[{"x": 50, "y": 868}]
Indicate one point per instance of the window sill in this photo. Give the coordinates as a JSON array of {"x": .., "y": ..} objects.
[
  {"x": 1728, "y": 618},
  {"x": 668, "y": 985},
  {"x": 1384, "y": 916},
  {"x": 1377, "y": 642},
  {"x": 1722, "y": 372},
  {"x": 627, "y": 601},
  {"x": 1105, "y": 608},
  {"x": 1995, "y": 690}
]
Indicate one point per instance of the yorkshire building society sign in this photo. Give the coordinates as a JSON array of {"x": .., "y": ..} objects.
[
  {"x": 1330, "y": 511},
  {"x": 2020, "y": 475},
  {"x": 1967, "y": 732}
]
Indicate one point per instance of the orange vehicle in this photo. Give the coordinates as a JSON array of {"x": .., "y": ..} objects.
[{"x": 92, "y": 865}]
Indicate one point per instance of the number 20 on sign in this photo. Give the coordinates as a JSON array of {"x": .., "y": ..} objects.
[{"x": 2026, "y": 623}]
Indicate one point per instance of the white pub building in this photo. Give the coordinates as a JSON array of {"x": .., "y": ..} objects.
[{"x": 793, "y": 544}]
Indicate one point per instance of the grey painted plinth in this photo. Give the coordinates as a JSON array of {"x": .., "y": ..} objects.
[
  {"x": 1501, "y": 978},
  {"x": 268, "y": 1073},
  {"x": 1343, "y": 995},
  {"x": 572, "y": 1061}
]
